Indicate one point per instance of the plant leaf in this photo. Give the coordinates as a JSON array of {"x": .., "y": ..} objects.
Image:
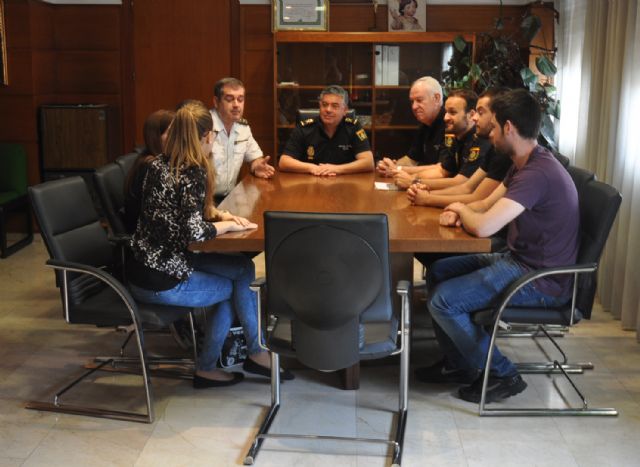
[
  {"x": 529, "y": 78},
  {"x": 554, "y": 108},
  {"x": 475, "y": 71},
  {"x": 545, "y": 66},
  {"x": 459, "y": 43},
  {"x": 547, "y": 131},
  {"x": 530, "y": 26}
]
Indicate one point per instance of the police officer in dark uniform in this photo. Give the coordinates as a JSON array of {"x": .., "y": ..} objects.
[
  {"x": 426, "y": 104},
  {"x": 329, "y": 145},
  {"x": 464, "y": 152}
]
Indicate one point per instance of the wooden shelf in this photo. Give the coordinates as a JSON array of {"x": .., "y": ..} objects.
[
  {"x": 369, "y": 37},
  {"x": 302, "y": 58}
]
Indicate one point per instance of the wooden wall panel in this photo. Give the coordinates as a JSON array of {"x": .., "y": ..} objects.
[
  {"x": 256, "y": 71},
  {"x": 18, "y": 121},
  {"x": 181, "y": 48},
  {"x": 87, "y": 72},
  {"x": 87, "y": 27}
]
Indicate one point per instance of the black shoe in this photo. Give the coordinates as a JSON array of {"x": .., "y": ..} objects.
[
  {"x": 201, "y": 383},
  {"x": 252, "y": 367},
  {"x": 439, "y": 373},
  {"x": 498, "y": 388}
]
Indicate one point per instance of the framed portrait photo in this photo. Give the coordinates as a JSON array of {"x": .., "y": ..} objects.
[
  {"x": 407, "y": 15},
  {"x": 300, "y": 15}
]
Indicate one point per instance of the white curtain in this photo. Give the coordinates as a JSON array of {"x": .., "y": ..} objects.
[{"x": 599, "y": 90}]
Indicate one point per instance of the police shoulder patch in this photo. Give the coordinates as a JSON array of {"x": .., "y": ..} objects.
[
  {"x": 361, "y": 134},
  {"x": 474, "y": 152},
  {"x": 448, "y": 139}
]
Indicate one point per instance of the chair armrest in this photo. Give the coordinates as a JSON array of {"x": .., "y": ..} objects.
[
  {"x": 103, "y": 276},
  {"x": 120, "y": 239},
  {"x": 258, "y": 283},
  {"x": 537, "y": 274},
  {"x": 403, "y": 287}
]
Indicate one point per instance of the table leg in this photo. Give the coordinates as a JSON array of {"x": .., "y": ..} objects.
[{"x": 350, "y": 377}]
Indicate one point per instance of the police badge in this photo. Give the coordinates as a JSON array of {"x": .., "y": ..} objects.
[
  {"x": 310, "y": 153},
  {"x": 448, "y": 139},
  {"x": 474, "y": 153},
  {"x": 361, "y": 134}
]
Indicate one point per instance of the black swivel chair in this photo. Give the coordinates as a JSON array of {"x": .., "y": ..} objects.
[
  {"x": 109, "y": 183},
  {"x": 599, "y": 205},
  {"x": 126, "y": 162},
  {"x": 580, "y": 177},
  {"x": 83, "y": 259},
  {"x": 330, "y": 305}
]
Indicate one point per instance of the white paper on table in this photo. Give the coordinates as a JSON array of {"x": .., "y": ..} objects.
[{"x": 385, "y": 186}]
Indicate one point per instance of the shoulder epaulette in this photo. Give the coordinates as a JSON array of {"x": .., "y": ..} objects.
[
  {"x": 306, "y": 122},
  {"x": 243, "y": 121},
  {"x": 350, "y": 120}
]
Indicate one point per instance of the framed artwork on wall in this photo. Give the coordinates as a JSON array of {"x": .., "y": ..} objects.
[
  {"x": 4, "y": 76},
  {"x": 300, "y": 15},
  {"x": 407, "y": 15}
]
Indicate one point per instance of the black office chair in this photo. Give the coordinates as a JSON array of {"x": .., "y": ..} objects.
[
  {"x": 305, "y": 114},
  {"x": 109, "y": 183},
  {"x": 580, "y": 177},
  {"x": 329, "y": 299},
  {"x": 83, "y": 259},
  {"x": 599, "y": 205},
  {"x": 126, "y": 162}
]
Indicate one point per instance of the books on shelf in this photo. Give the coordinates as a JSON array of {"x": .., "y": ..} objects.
[{"x": 387, "y": 65}]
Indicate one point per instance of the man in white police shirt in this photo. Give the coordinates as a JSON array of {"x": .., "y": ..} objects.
[
  {"x": 234, "y": 143},
  {"x": 331, "y": 144}
]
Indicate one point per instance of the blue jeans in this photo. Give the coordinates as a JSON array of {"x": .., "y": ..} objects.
[
  {"x": 461, "y": 285},
  {"x": 216, "y": 279}
]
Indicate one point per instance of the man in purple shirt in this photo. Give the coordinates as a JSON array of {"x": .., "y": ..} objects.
[{"x": 539, "y": 203}]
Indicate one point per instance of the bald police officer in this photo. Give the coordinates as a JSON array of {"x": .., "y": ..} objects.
[{"x": 331, "y": 144}]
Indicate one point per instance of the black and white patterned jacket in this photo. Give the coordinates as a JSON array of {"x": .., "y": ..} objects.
[{"x": 171, "y": 218}]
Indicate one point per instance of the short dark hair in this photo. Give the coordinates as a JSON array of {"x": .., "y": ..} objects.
[
  {"x": 520, "y": 108},
  {"x": 494, "y": 92},
  {"x": 470, "y": 98},
  {"x": 336, "y": 91},
  {"x": 231, "y": 82}
]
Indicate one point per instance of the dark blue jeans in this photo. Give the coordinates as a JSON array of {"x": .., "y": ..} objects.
[
  {"x": 216, "y": 279},
  {"x": 461, "y": 285}
]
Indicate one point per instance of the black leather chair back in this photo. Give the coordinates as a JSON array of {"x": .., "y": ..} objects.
[
  {"x": 305, "y": 114},
  {"x": 599, "y": 204},
  {"x": 580, "y": 176},
  {"x": 71, "y": 231},
  {"x": 109, "y": 182},
  {"x": 327, "y": 273},
  {"x": 126, "y": 162}
]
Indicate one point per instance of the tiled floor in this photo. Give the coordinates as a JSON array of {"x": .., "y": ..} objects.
[{"x": 215, "y": 427}]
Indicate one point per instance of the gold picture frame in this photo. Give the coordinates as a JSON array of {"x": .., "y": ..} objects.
[
  {"x": 4, "y": 75},
  {"x": 300, "y": 15}
]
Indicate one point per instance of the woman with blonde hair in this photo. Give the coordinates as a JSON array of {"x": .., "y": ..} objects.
[{"x": 178, "y": 209}]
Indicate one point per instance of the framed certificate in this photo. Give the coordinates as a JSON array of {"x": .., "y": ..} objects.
[{"x": 300, "y": 15}]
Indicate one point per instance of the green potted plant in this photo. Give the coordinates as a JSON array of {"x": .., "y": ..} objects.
[{"x": 502, "y": 60}]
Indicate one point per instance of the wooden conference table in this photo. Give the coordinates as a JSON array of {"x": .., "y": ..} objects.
[{"x": 411, "y": 228}]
